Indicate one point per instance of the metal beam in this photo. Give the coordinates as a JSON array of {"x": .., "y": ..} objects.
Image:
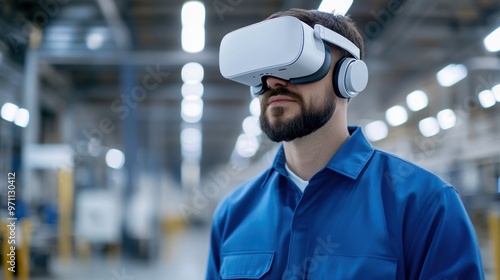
[
  {"x": 115, "y": 22},
  {"x": 171, "y": 91},
  {"x": 168, "y": 58}
]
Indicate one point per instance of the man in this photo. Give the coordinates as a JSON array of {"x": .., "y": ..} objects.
[{"x": 331, "y": 206}]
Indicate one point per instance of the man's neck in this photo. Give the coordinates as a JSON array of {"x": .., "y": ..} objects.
[{"x": 307, "y": 155}]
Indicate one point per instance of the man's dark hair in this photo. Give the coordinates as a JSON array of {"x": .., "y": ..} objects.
[{"x": 338, "y": 23}]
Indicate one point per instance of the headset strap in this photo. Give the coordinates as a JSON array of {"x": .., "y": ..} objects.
[{"x": 333, "y": 37}]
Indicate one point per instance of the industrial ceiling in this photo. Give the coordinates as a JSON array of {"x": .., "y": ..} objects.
[{"x": 407, "y": 42}]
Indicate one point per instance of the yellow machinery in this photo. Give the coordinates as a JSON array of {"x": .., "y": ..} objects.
[{"x": 494, "y": 226}]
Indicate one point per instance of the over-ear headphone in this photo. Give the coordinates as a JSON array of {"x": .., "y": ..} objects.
[
  {"x": 294, "y": 52},
  {"x": 350, "y": 77}
]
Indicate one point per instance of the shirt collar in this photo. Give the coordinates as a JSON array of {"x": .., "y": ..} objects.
[
  {"x": 353, "y": 155},
  {"x": 349, "y": 160}
]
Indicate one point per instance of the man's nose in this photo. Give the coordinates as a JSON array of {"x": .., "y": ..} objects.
[{"x": 274, "y": 83}]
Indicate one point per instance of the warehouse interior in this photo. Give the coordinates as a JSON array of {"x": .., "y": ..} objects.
[{"x": 122, "y": 136}]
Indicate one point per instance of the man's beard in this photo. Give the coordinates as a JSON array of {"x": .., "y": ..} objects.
[{"x": 305, "y": 123}]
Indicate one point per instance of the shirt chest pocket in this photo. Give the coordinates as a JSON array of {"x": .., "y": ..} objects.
[
  {"x": 246, "y": 265},
  {"x": 354, "y": 268}
]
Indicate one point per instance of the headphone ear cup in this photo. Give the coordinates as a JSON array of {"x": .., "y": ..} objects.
[
  {"x": 338, "y": 78},
  {"x": 350, "y": 77}
]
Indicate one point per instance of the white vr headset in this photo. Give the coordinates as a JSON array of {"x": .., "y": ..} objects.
[{"x": 289, "y": 49}]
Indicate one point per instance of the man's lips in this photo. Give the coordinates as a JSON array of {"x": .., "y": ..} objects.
[{"x": 279, "y": 99}]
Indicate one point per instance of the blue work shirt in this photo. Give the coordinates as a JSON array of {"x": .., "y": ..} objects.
[{"x": 366, "y": 215}]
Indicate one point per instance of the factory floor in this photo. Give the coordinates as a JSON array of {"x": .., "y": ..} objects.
[{"x": 184, "y": 258}]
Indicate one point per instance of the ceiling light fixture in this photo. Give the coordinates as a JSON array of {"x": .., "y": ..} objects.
[
  {"x": 339, "y": 6},
  {"x": 193, "y": 38},
  {"x": 451, "y": 74},
  {"x": 192, "y": 89},
  {"x": 193, "y": 26},
  {"x": 193, "y": 13},
  {"x": 192, "y": 109},
  {"x": 95, "y": 40},
  {"x": 492, "y": 41},
  {"x": 251, "y": 126},
  {"x": 446, "y": 119},
  {"x": 396, "y": 115},
  {"x": 22, "y": 117},
  {"x": 192, "y": 72},
  {"x": 486, "y": 98},
  {"x": 255, "y": 107},
  {"x": 247, "y": 146},
  {"x": 8, "y": 111},
  {"x": 429, "y": 127},
  {"x": 376, "y": 130},
  {"x": 191, "y": 143},
  {"x": 417, "y": 100},
  {"x": 115, "y": 158}
]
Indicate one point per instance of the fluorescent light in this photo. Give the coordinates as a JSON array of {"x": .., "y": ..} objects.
[
  {"x": 191, "y": 137},
  {"x": 191, "y": 143},
  {"x": 192, "y": 72},
  {"x": 451, "y": 74},
  {"x": 251, "y": 126},
  {"x": 492, "y": 41},
  {"x": 193, "y": 13},
  {"x": 22, "y": 117},
  {"x": 339, "y": 6},
  {"x": 486, "y": 98},
  {"x": 255, "y": 107},
  {"x": 95, "y": 40},
  {"x": 446, "y": 119},
  {"x": 8, "y": 111},
  {"x": 193, "y": 26},
  {"x": 194, "y": 89},
  {"x": 428, "y": 127},
  {"x": 376, "y": 130},
  {"x": 247, "y": 146},
  {"x": 193, "y": 38},
  {"x": 417, "y": 100},
  {"x": 496, "y": 92},
  {"x": 115, "y": 158},
  {"x": 396, "y": 115},
  {"x": 192, "y": 109}
]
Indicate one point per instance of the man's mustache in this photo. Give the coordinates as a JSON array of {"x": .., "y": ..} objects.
[{"x": 281, "y": 91}]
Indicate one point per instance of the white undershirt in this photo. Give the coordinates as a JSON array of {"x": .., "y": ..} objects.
[{"x": 296, "y": 179}]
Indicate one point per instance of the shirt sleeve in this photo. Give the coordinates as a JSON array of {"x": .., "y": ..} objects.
[
  {"x": 214, "y": 261},
  {"x": 443, "y": 243}
]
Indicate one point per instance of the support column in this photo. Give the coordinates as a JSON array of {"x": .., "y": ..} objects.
[
  {"x": 494, "y": 228},
  {"x": 31, "y": 133},
  {"x": 130, "y": 141}
]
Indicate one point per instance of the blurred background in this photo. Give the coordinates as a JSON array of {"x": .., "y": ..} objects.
[{"x": 123, "y": 135}]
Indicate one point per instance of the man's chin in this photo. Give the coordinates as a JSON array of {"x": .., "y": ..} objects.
[{"x": 285, "y": 117}]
